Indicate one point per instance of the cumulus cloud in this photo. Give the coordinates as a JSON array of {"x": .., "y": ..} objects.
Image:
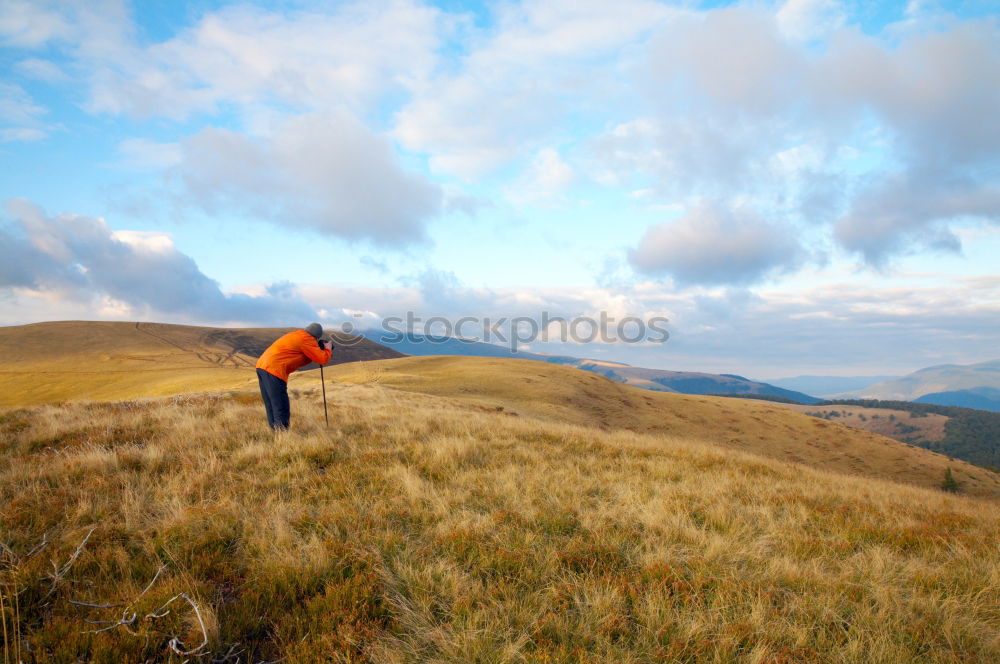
[
  {"x": 810, "y": 19},
  {"x": 734, "y": 95},
  {"x": 542, "y": 61},
  {"x": 245, "y": 56},
  {"x": 78, "y": 258},
  {"x": 25, "y": 23},
  {"x": 896, "y": 215},
  {"x": 21, "y": 115},
  {"x": 712, "y": 245},
  {"x": 324, "y": 172}
]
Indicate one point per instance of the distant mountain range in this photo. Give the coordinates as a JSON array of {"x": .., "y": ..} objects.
[
  {"x": 659, "y": 380},
  {"x": 981, "y": 398},
  {"x": 945, "y": 378},
  {"x": 826, "y": 386}
]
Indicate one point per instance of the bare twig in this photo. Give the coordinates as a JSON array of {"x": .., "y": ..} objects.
[
  {"x": 126, "y": 620},
  {"x": 175, "y": 643},
  {"x": 94, "y": 606},
  {"x": 231, "y": 653},
  {"x": 59, "y": 572},
  {"x": 38, "y": 547},
  {"x": 146, "y": 589}
]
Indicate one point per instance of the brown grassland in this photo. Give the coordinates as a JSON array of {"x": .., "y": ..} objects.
[
  {"x": 430, "y": 523},
  {"x": 71, "y": 360}
]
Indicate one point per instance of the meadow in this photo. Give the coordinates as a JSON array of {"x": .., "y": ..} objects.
[{"x": 427, "y": 528}]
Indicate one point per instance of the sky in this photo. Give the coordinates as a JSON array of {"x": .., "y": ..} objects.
[{"x": 800, "y": 187}]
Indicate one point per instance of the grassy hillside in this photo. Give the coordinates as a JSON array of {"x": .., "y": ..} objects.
[
  {"x": 439, "y": 529},
  {"x": 571, "y": 396},
  {"x": 922, "y": 430},
  {"x": 73, "y": 360},
  {"x": 969, "y": 434}
]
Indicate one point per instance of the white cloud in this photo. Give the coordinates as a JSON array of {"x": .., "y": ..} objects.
[
  {"x": 544, "y": 181},
  {"x": 42, "y": 70},
  {"x": 550, "y": 170},
  {"x": 17, "y": 106},
  {"x": 326, "y": 172},
  {"x": 25, "y": 23},
  {"x": 248, "y": 57},
  {"x": 21, "y": 135},
  {"x": 808, "y": 20},
  {"x": 141, "y": 153},
  {"x": 840, "y": 326},
  {"x": 71, "y": 260},
  {"x": 542, "y": 61},
  {"x": 744, "y": 113},
  {"x": 153, "y": 242},
  {"x": 711, "y": 245},
  {"x": 21, "y": 115}
]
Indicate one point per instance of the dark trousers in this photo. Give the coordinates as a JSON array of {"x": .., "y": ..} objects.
[{"x": 274, "y": 392}]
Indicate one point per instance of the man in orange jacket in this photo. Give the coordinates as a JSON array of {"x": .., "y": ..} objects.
[{"x": 288, "y": 353}]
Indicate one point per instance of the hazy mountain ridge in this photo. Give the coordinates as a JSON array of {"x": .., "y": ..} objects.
[
  {"x": 932, "y": 380},
  {"x": 981, "y": 398},
  {"x": 826, "y": 386}
]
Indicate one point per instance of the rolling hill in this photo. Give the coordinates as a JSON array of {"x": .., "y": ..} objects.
[
  {"x": 964, "y": 433},
  {"x": 108, "y": 361},
  {"x": 73, "y": 360},
  {"x": 566, "y": 395},
  {"x": 942, "y": 378},
  {"x": 659, "y": 380}
]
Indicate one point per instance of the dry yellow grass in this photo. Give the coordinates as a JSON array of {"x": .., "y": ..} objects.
[
  {"x": 73, "y": 360},
  {"x": 87, "y": 360},
  {"x": 423, "y": 528},
  {"x": 570, "y": 395}
]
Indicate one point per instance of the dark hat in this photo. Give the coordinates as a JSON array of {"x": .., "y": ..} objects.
[{"x": 315, "y": 329}]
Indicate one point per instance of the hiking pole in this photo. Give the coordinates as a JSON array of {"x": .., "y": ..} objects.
[{"x": 322, "y": 380}]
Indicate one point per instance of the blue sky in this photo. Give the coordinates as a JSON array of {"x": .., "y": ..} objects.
[{"x": 808, "y": 186}]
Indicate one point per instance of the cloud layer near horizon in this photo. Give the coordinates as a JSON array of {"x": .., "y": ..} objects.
[{"x": 79, "y": 259}]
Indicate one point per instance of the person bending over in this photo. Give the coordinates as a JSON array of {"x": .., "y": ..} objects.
[{"x": 289, "y": 352}]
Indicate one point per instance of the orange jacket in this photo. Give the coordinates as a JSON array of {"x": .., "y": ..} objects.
[{"x": 290, "y": 352}]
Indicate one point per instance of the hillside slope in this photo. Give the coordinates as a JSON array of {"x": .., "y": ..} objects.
[
  {"x": 659, "y": 380},
  {"x": 438, "y": 529},
  {"x": 926, "y": 430},
  {"x": 73, "y": 360},
  {"x": 964, "y": 433},
  {"x": 567, "y": 395}
]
